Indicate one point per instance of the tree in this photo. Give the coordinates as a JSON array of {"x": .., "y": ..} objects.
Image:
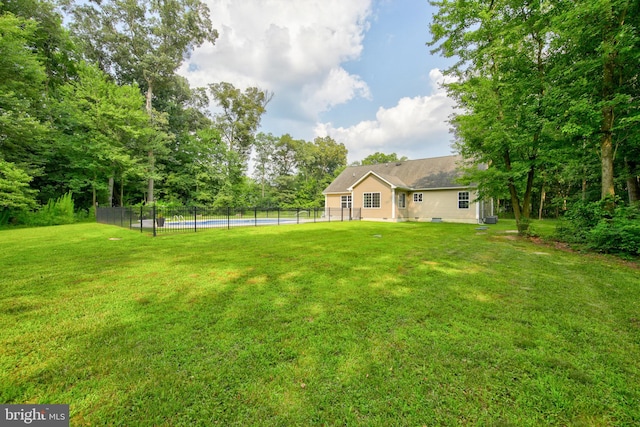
[
  {"x": 241, "y": 115},
  {"x": 502, "y": 89},
  {"x": 380, "y": 158},
  {"x": 99, "y": 124},
  {"x": 264, "y": 147},
  {"x": 50, "y": 41},
  {"x": 600, "y": 42},
  {"x": 15, "y": 193},
  {"x": 23, "y": 128},
  {"x": 143, "y": 42}
]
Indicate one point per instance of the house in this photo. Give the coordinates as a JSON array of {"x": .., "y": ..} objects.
[{"x": 413, "y": 190}]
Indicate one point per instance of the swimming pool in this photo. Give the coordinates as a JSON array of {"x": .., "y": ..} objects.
[{"x": 231, "y": 222}]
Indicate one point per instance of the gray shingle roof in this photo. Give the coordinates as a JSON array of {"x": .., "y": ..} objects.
[{"x": 422, "y": 174}]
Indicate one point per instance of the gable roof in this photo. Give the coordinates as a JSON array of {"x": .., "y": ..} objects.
[{"x": 422, "y": 174}]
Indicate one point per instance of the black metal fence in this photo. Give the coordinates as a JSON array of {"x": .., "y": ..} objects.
[{"x": 159, "y": 219}]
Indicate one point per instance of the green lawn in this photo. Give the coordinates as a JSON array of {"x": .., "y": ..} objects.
[{"x": 356, "y": 323}]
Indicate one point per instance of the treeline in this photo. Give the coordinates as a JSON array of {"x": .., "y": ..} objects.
[
  {"x": 95, "y": 108},
  {"x": 548, "y": 97}
]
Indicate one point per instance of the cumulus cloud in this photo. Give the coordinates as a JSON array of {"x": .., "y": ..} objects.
[
  {"x": 293, "y": 48},
  {"x": 415, "y": 127}
]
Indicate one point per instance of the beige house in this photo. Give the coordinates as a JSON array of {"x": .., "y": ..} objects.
[{"x": 413, "y": 190}]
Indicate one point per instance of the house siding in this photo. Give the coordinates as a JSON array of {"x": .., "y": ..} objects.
[
  {"x": 334, "y": 200},
  {"x": 403, "y": 214},
  {"x": 435, "y": 178},
  {"x": 442, "y": 204},
  {"x": 373, "y": 184}
]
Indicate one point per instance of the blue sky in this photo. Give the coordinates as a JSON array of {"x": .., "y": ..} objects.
[{"x": 357, "y": 70}]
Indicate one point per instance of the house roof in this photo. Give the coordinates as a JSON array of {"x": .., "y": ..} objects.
[{"x": 422, "y": 174}]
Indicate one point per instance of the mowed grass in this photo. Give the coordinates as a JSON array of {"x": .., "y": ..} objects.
[{"x": 357, "y": 323}]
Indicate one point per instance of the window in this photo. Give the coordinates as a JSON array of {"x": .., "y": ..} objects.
[
  {"x": 371, "y": 200},
  {"x": 402, "y": 200},
  {"x": 463, "y": 200},
  {"x": 345, "y": 202},
  {"x": 417, "y": 197}
]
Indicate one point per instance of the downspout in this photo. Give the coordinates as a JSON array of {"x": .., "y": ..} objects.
[
  {"x": 351, "y": 205},
  {"x": 393, "y": 203},
  {"x": 478, "y": 202}
]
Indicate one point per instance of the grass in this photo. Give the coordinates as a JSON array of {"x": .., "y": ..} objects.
[{"x": 357, "y": 323}]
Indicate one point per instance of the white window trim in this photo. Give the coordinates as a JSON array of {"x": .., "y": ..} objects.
[
  {"x": 372, "y": 204},
  {"x": 349, "y": 201},
  {"x": 468, "y": 199},
  {"x": 402, "y": 196},
  {"x": 415, "y": 196}
]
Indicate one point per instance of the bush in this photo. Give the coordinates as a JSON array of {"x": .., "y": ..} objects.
[
  {"x": 602, "y": 228},
  {"x": 55, "y": 212},
  {"x": 579, "y": 220},
  {"x": 618, "y": 236}
]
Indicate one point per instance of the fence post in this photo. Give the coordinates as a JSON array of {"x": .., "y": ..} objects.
[
  {"x": 228, "y": 217},
  {"x": 141, "y": 218},
  {"x": 278, "y": 215},
  {"x": 195, "y": 218},
  {"x": 153, "y": 219},
  {"x": 255, "y": 216}
]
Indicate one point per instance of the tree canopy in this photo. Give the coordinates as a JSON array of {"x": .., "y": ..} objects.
[{"x": 545, "y": 93}]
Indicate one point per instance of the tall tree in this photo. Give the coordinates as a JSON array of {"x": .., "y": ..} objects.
[
  {"x": 379, "y": 158},
  {"x": 240, "y": 117},
  {"x": 600, "y": 41},
  {"x": 502, "y": 89},
  {"x": 99, "y": 127},
  {"x": 265, "y": 145},
  {"x": 23, "y": 124},
  {"x": 143, "y": 41}
]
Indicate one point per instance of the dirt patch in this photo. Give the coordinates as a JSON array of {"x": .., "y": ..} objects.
[{"x": 561, "y": 246}]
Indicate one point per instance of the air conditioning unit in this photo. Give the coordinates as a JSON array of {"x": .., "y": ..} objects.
[{"x": 491, "y": 220}]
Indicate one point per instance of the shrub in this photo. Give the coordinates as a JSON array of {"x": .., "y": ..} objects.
[
  {"x": 618, "y": 236},
  {"x": 579, "y": 220},
  {"x": 55, "y": 212},
  {"x": 602, "y": 228}
]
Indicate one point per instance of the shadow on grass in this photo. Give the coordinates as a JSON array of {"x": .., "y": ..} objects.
[{"x": 363, "y": 325}]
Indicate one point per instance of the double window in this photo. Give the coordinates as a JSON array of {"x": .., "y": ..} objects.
[
  {"x": 345, "y": 202},
  {"x": 371, "y": 200},
  {"x": 463, "y": 200},
  {"x": 417, "y": 197}
]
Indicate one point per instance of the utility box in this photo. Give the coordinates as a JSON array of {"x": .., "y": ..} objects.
[{"x": 491, "y": 220}]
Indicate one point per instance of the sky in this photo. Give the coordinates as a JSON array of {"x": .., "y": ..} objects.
[{"x": 358, "y": 71}]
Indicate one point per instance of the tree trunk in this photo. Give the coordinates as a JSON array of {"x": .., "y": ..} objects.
[
  {"x": 515, "y": 200},
  {"x": 633, "y": 181},
  {"x": 606, "y": 152},
  {"x": 526, "y": 202},
  {"x": 151, "y": 170},
  {"x": 149, "y": 109},
  {"x": 93, "y": 191},
  {"x": 111, "y": 191},
  {"x": 543, "y": 197},
  {"x": 633, "y": 188},
  {"x": 606, "y": 143}
]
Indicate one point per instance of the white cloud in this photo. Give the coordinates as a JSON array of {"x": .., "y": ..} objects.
[
  {"x": 293, "y": 48},
  {"x": 416, "y": 127},
  {"x": 337, "y": 88}
]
